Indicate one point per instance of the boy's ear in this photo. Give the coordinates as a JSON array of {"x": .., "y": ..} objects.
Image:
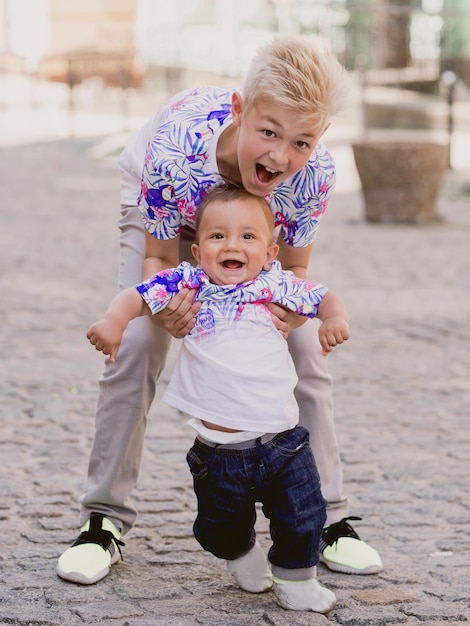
[
  {"x": 271, "y": 254},
  {"x": 237, "y": 108},
  {"x": 195, "y": 252}
]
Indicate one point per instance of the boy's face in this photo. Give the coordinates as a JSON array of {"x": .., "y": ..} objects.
[
  {"x": 235, "y": 242},
  {"x": 273, "y": 144}
]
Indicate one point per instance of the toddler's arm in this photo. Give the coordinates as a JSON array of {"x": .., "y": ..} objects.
[
  {"x": 335, "y": 328},
  {"x": 106, "y": 334}
]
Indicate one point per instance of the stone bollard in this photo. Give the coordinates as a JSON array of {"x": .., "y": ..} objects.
[{"x": 400, "y": 180}]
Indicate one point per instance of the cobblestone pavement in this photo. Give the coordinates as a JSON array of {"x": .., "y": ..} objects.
[{"x": 401, "y": 393}]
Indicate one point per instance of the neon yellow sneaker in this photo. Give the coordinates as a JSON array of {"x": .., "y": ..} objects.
[
  {"x": 97, "y": 548},
  {"x": 342, "y": 550}
]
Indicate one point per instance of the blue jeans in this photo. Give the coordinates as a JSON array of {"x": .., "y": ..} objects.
[{"x": 282, "y": 475}]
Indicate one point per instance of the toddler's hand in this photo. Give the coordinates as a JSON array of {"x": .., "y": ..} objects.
[
  {"x": 285, "y": 320},
  {"x": 179, "y": 317},
  {"x": 332, "y": 332},
  {"x": 106, "y": 336}
]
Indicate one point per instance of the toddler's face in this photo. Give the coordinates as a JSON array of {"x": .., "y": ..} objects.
[{"x": 235, "y": 241}]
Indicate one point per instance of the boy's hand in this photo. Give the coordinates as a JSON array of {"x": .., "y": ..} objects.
[
  {"x": 332, "y": 332},
  {"x": 179, "y": 316},
  {"x": 106, "y": 336},
  {"x": 285, "y": 320}
]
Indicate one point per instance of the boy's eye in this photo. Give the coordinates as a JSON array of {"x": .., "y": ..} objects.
[
  {"x": 268, "y": 133},
  {"x": 301, "y": 144},
  {"x": 217, "y": 236}
]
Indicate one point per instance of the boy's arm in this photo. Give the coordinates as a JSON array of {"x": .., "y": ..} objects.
[
  {"x": 160, "y": 254},
  {"x": 106, "y": 334},
  {"x": 294, "y": 260},
  {"x": 335, "y": 328}
]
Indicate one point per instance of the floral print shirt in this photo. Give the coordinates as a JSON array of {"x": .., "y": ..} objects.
[{"x": 181, "y": 167}]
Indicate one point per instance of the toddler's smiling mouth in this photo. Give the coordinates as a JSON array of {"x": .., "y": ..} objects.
[{"x": 232, "y": 264}]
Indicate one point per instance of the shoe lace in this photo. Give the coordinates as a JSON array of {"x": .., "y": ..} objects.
[
  {"x": 96, "y": 534},
  {"x": 332, "y": 533}
]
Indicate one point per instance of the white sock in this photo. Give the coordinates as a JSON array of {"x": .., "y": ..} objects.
[
  {"x": 252, "y": 571},
  {"x": 304, "y": 595}
]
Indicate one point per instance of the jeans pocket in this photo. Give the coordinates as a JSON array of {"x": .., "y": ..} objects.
[
  {"x": 293, "y": 442},
  {"x": 198, "y": 464}
]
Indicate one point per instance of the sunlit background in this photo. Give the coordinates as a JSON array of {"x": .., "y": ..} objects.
[
  {"x": 99, "y": 66},
  {"x": 221, "y": 35}
]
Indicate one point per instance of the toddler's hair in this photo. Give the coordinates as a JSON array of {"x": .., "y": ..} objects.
[
  {"x": 294, "y": 72},
  {"x": 232, "y": 193}
]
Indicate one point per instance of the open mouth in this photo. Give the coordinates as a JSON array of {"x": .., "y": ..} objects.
[
  {"x": 265, "y": 174},
  {"x": 232, "y": 264}
]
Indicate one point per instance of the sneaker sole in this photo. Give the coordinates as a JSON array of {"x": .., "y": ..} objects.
[
  {"x": 81, "y": 579},
  {"x": 345, "y": 569}
]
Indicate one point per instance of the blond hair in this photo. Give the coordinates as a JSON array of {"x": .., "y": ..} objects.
[{"x": 293, "y": 72}]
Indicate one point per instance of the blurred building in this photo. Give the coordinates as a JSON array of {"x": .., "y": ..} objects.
[
  {"x": 66, "y": 39},
  {"x": 102, "y": 25}
]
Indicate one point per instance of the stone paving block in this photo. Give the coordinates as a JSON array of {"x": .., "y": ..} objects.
[
  {"x": 435, "y": 611},
  {"x": 385, "y": 596},
  {"x": 107, "y": 610}
]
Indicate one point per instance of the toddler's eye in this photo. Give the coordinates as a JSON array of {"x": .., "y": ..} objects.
[
  {"x": 248, "y": 236},
  {"x": 302, "y": 144},
  {"x": 217, "y": 236},
  {"x": 268, "y": 133}
]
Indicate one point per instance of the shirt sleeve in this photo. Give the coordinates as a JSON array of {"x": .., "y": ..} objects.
[
  {"x": 179, "y": 166},
  {"x": 301, "y": 296},
  {"x": 283, "y": 287},
  {"x": 161, "y": 288},
  {"x": 157, "y": 201}
]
